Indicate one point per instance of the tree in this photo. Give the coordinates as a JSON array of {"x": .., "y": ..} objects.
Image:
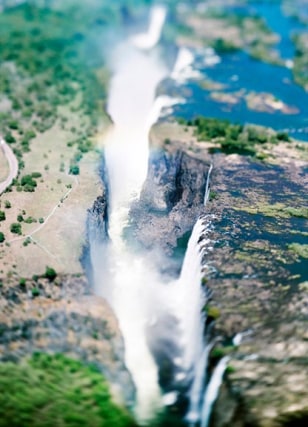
[
  {"x": 2, "y": 238},
  {"x": 50, "y": 274},
  {"x": 16, "y": 228},
  {"x": 2, "y": 216}
]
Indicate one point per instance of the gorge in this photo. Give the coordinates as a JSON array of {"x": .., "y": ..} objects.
[{"x": 157, "y": 315}]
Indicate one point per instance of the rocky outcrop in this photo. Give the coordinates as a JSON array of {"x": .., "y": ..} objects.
[
  {"x": 97, "y": 224},
  {"x": 258, "y": 287},
  {"x": 171, "y": 200},
  {"x": 63, "y": 316}
]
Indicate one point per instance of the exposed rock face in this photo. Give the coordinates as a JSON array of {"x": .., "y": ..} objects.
[
  {"x": 64, "y": 317},
  {"x": 258, "y": 281},
  {"x": 171, "y": 200},
  {"x": 97, "y": 224}
]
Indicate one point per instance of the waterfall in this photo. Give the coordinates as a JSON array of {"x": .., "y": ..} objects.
[
  {"x": 213, "y": 390},
  {"x": 193, "y": 415},
  {"x": 120, "y": 277},
  {"x": 149, "y": 39},
  {"x": 128, "y": 281},
  {"x": 191, "y": 300}
]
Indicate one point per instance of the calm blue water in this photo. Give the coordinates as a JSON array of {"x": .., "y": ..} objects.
[{"x": 252, "y": 75}]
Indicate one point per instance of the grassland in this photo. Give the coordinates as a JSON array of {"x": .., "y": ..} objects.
[{"x": 52, "y": 112}]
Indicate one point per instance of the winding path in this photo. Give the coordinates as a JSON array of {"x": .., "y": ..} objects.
[{"x": 13, "y": 165}]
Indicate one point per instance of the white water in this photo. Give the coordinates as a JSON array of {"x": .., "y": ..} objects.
[
  {"x": 149, "y": 39},
  {"x": 183, "y": 69},
  {"x": 194, "y": 411},
  {"x": 127, "y": 283},
  {"x": 213, "y": 390},
  {"x": 190, "y": 301}
]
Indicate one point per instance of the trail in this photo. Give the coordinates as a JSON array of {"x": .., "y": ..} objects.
[{"x": 13, "y": 165}]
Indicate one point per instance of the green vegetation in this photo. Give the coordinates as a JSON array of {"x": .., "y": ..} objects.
[
  {"x": 50, "y": 274},
  {"x": 301, "y": 250},
  {"x": 233, "y": 138},
  {"x": 7, "y": 204},
  {"x": 2, "y": 237},
  {"x": 232, "y": 31},
  {"x": 54, "y": 390},
  {"x": 300, "y": 69},
  {"x": 50, "y": 58},
  {"x": 74, "y": 169},
  {"x": 22, "y": 282},
  {"x": 230, "y": 370},
  {"x": 35, "y": 292},
  {"x": 212, "y": 312},
  {"x": 223, "y": 46},
  {"x": 16, "y": 228},
  {"x": 2, "y": 216},
  {"x": 277, "y": 210}
]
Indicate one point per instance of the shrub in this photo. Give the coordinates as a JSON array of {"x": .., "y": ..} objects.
[
  {"x": 282, "y": 136},
  {"x": 13, "y": 124},
  {"x": 74, "y": 170},
  {"x": 22, "y": 282},
  {"x": 7, "y": 204},
  {"x": 2, "y": 237},
  {"x": 36, "y": 175},
  {"x": 2, "y": 216},
  {"x": 212, "y": 312},
  {"x": 9, "y": 138},
  {"x": 30, "y": 220},
  {"x": 35, "y": 292},
  {"x": 28, "y": 183}
]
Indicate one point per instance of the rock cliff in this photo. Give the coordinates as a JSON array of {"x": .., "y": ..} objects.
[{"x": 63, "y": 316}]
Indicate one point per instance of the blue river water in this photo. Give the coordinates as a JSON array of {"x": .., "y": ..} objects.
[{"x": 239, "y": 71}]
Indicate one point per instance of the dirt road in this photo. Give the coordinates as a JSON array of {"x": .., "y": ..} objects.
[{"x": 13, "y": 165}]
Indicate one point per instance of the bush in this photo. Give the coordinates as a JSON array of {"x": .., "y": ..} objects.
[
  {"x": 22, "y": 282},
  {"x": 28, "y": 183},
  {"x": 36, "y": 175},
  {"x": 50, "y": 274},
  {"x": 9, "y": 138},
  {"x": 2, "y": 237},
  {"x": 13, "y": 124},
  {"x": 35, "y": 292},
  {"x": 15, "y": 228},
  {"x": 2, "y": 216},
  {"x": 74, "y": 170},
  {"x": 30, "y": 220},
  {"x": 7, "y": 204}
]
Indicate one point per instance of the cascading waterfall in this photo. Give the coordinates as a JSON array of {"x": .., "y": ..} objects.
[
  {"x": 128, "y": 281},
  {"x": 212, "y": 391}
]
